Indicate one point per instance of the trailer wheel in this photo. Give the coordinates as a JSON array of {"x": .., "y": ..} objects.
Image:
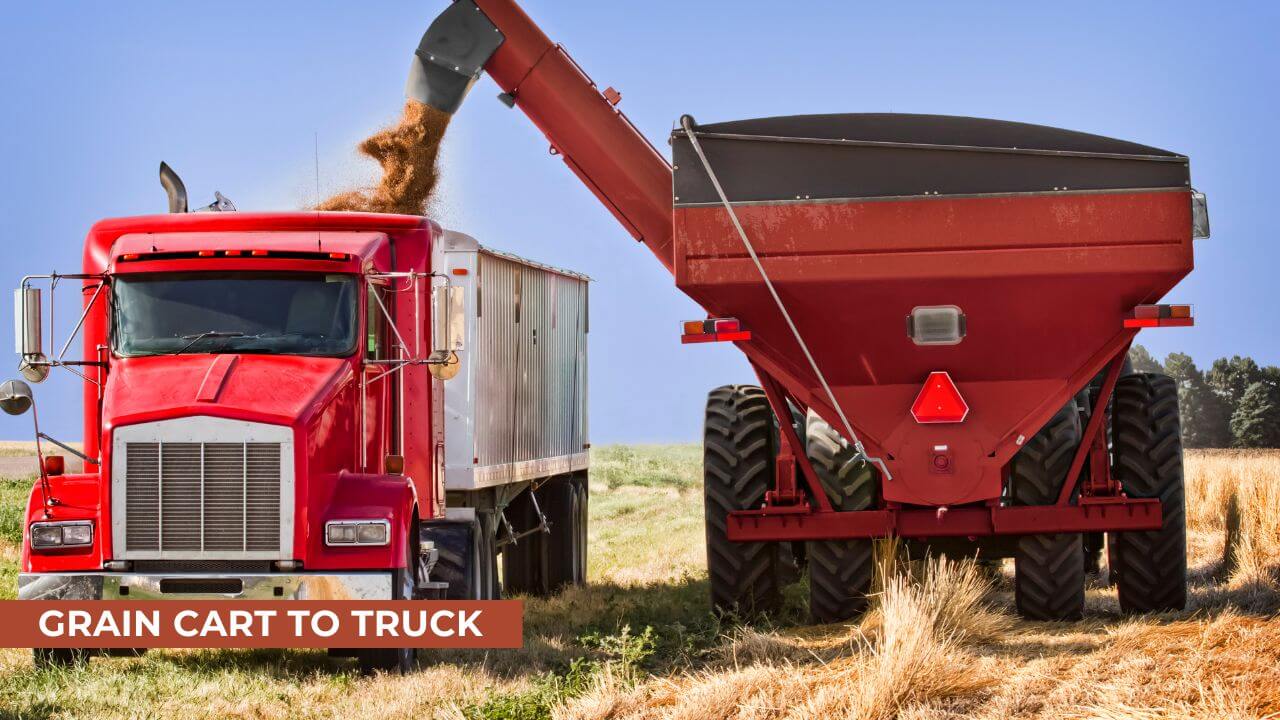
[
  {"x": 840, "y": 571},
  {"x": 1150, "y": 568},
  {"x": 567, "y": 542},
  {"x": 1049, "y": 568},
  {"x": 739, "y": 448},
  {"x": 524, "y": 561},
  {"x": 403, "y": 582}
]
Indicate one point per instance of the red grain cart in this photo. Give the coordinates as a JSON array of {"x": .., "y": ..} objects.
[{"x": 939, "y": 311}]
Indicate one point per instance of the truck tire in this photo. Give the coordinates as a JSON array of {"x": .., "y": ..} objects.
[
  {"x": 1049, "y": 568},
  {"x": 546, "y": 562},
  {"x": 739, "y": 449},
  {"x": 466, "y": 557},
  {"x": 567, "y": 542},
  {"x": 1150, "y": 568},
  {"x": 840, "y": 571},
  {"x": 403, "y": 582},
  {"x": 524, "y": 562}
]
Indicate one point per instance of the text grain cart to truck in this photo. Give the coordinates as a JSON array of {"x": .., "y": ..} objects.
[
  {"x": 333, "y": 406},
  {"x": 939, "y": 311}
]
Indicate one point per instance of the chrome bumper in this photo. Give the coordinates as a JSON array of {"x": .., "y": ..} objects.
[{"x": 205, "y": 586}]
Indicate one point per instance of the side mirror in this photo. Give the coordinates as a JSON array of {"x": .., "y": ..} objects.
[
  {"x": 15, "y": 397},
  {"x": 448, "y": 331},
  {"x": 28, "y": 335}
]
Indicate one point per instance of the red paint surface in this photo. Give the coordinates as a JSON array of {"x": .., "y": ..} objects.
[
  {"x": 1045, "y": 282},
  {"x": 319, "y": 398}
]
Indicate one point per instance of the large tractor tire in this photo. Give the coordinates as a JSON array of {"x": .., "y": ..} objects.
[
  {"x": 739, "y": 450},
  {"x": 840, "y": 571},
  {"x": 1149, "y": 569},
  {"x": 1049, "y": 568}
]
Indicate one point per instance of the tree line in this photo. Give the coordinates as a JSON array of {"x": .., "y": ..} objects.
[{"x": 1235, "y": 404}]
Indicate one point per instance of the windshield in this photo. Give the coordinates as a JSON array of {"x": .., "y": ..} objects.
[{"x": 235, "y": 312}]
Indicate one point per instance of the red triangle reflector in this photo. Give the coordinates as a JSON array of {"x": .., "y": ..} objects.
[{"x": 939, "y": 401}]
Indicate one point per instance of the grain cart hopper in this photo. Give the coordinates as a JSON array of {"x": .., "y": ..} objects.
[{"x": 938, "y": 309}]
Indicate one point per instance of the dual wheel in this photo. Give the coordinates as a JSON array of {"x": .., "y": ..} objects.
[
  {"x": 1148, "y": 568},
  {"x": 544, "y": 563},
  {"x": 740, "y": 443}
]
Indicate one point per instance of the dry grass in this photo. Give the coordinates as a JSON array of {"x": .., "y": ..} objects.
[{"x": 940, "y": 642}]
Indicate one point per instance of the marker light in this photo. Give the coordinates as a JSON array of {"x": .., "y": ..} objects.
[
  {"x": 258, "y": 253},
  {"x": 713, "y": 330},
  {"x": 1145, "y": 316},
  {"x": 939, "y": 401}
]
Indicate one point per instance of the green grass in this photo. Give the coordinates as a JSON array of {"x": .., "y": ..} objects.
[
  {"x": 657, "y": 466},
  {"x": 13, "y": 505}
]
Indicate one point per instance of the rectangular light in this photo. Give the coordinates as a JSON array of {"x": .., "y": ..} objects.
[
  {"x": 936, "y": 325},
  {"x": 713, "y": 330},
  {"x": 51, "y": 535},
  {"x": 357, "y": 532},
  {"x": 1149, "y": 316}
]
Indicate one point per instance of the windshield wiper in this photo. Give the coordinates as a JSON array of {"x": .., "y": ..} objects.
[{"x": 208, "y": 334}]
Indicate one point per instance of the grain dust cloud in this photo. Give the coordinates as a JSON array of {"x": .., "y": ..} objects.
[{"x": 408, "y": 152}]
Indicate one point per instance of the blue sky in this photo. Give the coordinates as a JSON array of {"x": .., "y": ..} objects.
[{"x": 235, "y": 94}]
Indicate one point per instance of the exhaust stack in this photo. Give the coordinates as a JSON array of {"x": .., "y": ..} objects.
[{"x": 174, "y": 188}]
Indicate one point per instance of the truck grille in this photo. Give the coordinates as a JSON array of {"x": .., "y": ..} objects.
[{"x": 190, "y": 497}]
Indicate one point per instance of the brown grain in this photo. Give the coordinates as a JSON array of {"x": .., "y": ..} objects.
[{"x": 408, "y": 153}]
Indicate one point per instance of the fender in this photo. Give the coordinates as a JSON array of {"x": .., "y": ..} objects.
[
  {"x": 77, "y": 499},
  {"x": 361, "y": 496}
]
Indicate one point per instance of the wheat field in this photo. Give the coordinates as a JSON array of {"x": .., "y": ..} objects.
[{"x": 639, "y": 641}]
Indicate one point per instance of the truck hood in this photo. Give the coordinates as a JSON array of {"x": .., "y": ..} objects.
[{"x": 279, "y": 389}]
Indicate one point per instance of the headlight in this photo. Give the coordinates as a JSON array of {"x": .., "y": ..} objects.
[
  {"x": 357, "y": 532},
  {"x": 75, "y": 533}
]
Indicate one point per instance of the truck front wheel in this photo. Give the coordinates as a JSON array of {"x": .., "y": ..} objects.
[
  {"x": 1048, "y": 568},
  {"x": 840, "y": 571},
  {"x": 403, "y": 582},
  {"x": 739, "y": 448},
  {"x": 1149, "y": 568}
]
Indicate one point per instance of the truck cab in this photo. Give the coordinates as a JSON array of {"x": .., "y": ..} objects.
[{"x": 264, "y": 416}]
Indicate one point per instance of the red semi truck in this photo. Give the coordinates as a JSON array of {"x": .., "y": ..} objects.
[
  {"x": 938, "y": 309},
  {"x": 308, "y": 406}
]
